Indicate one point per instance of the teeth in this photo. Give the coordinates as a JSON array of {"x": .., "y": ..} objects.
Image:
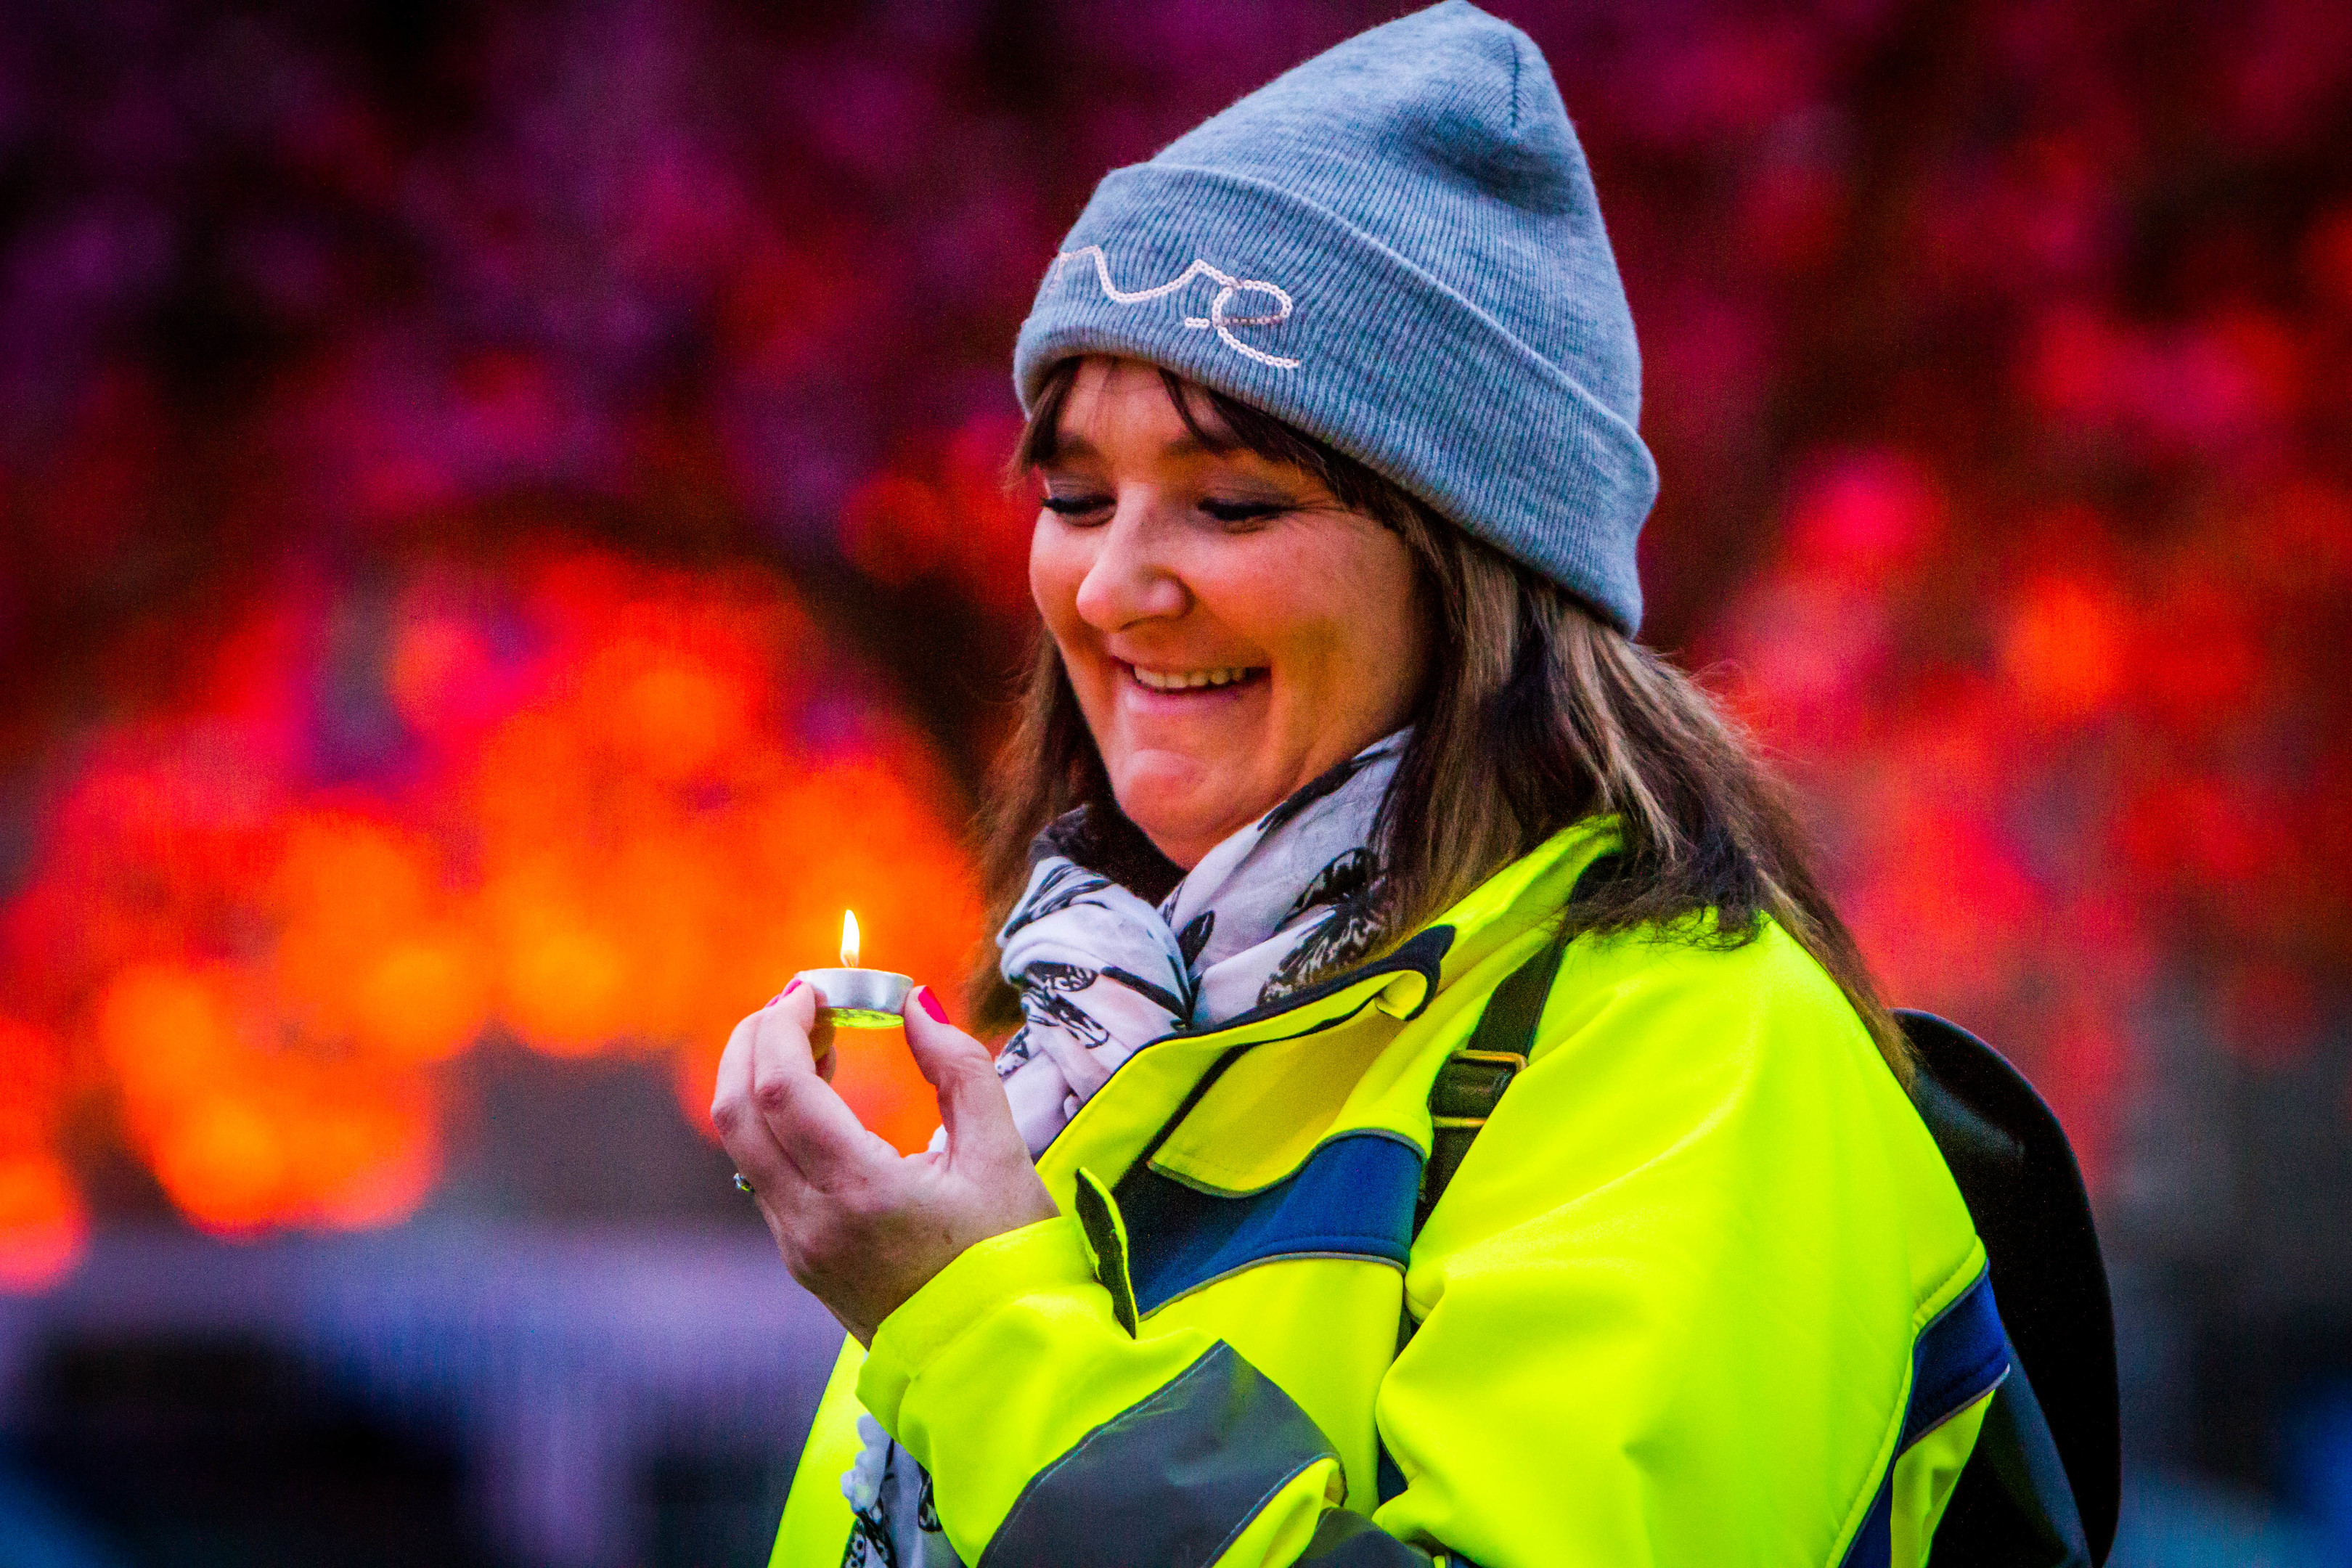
[{"x": 1185, "y": 679}]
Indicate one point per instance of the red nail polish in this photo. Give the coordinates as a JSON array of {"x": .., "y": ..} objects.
[
  {"x": 931, "y": 1004},
  {"x": 790, "y": 987}
]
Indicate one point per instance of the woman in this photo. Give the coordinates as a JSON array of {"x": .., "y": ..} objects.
[{"x": 1344, "y": 803}]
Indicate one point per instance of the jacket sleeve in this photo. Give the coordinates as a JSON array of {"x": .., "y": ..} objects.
[{"x": 1667, "y": 1306}]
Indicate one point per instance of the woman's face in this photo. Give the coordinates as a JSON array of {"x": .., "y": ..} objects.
[{"x": 1229, "y": 628}]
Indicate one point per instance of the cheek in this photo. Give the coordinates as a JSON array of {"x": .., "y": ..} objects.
[
  {"x": 1056, "y": 567},
  {"x": 1362, "y": 626},
  {"x": 1398, "y": 627}
]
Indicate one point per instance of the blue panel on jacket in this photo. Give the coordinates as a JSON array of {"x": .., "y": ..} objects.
[
  {"x": 1959, "y": 1355},
  {"x": 1963, "y": 1353},
  {"x": 1352, "y": 1198}
]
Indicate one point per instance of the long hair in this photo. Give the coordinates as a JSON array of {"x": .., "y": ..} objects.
[{"x": 1535, "y": 714}]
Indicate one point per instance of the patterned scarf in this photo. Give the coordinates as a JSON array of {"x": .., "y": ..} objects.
[{"x": 1101, "y": 972}]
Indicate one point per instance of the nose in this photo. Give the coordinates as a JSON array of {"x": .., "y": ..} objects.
[{"x": 1130, "y": 578}]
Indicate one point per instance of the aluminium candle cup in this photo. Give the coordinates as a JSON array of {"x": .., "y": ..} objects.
[{"x": 859, "y": 998}]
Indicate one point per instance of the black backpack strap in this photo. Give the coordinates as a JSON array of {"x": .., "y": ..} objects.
[{"x": 1471, "y": 1082}]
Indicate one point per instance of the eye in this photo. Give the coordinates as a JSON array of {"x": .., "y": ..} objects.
[
  {"x": 1074, "y": 507},
  {"x": 1245, "y": 511}
]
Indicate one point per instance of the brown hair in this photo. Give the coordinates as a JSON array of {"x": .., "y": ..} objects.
[{"x": 1537, "y": 713}]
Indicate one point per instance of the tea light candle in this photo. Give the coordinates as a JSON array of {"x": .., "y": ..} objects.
[{"x": 853, "y": 999}]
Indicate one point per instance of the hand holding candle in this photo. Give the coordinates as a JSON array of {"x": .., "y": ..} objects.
[
  {"x": 860, "y": 1224},
  {"x": 853, "y": 999}
]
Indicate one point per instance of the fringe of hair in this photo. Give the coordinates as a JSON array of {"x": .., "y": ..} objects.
[{"x": 1537, "y": 714}]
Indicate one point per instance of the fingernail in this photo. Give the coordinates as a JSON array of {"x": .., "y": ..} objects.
[
  {"x": 792, "y": 985},
  {"x": 931, "y": 1004}
]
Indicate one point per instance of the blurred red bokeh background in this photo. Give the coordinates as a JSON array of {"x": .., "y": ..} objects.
[
  {"x": 504, "y": 536},
  {"x": 618, "y": 816}
]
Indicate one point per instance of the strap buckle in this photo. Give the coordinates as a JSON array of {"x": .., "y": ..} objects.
[{"x": 1469, "y": 1085}]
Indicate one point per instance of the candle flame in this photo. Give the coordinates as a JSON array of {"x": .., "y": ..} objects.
[{"x": 849, "y": 939}]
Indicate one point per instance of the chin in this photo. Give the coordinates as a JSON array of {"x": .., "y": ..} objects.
[
  {"x": 1185, "y": 816},
  {"x": 1162, "y": 815}
]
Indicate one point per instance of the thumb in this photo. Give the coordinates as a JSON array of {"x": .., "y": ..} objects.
[
  {"x": 973, "y": 1111},
  {"x": 798, "y": 1002}
]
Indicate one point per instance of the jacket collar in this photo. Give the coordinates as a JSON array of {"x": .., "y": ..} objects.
[{"x": 1153, "y": 1091}]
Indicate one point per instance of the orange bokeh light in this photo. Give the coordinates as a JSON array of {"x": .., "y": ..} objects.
[
  {"x": 225, "y": 1161},
  {"x": 423, "y": 998},
  {"x": 43, "y": 1227},
  {"x": 609, "y": 836},
  {"x": 2064, "y": 646}
]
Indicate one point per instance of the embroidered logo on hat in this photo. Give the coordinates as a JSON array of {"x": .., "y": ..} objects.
[{"x": 1218, "y": 318}]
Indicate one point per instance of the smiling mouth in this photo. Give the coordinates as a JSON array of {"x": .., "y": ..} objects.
[{"x": 1191, "y": 681}]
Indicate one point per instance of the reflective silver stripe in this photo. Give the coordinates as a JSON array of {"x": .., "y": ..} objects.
[{"x": 1171, "y": 1479}]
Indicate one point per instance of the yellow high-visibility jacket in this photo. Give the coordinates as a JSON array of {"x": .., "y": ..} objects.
[{"x": 1702, "y": 1291}]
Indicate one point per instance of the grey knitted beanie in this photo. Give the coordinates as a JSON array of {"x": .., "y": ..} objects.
[{"x": 1395, "y": 248}]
